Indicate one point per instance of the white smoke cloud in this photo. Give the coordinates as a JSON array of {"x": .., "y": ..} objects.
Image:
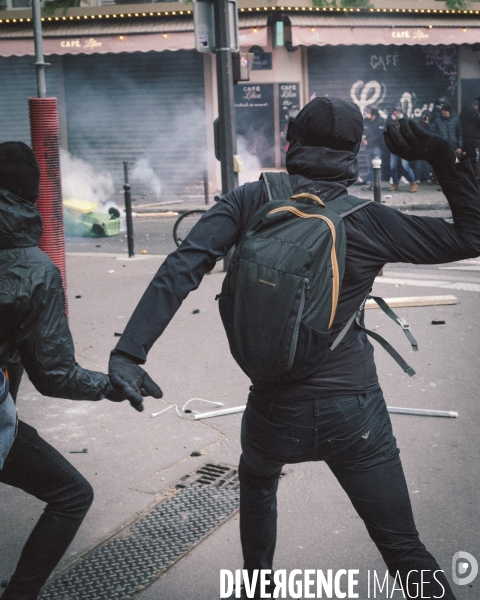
[
  {"x": 252, "y": 167},
  {"x": 82, "y": 182},
  {"x": 143, "y": 173}
]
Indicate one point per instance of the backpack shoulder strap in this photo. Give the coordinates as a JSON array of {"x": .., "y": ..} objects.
[
  {"x": 357, "y": 317},
  {"x": 346, "y": 205},
  {"x": 277, "y": 185}
]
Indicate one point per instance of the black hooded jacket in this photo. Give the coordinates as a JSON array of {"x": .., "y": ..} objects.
[
  {"x": 33, "y": 324},
  {"x": 376, "y": 235}
]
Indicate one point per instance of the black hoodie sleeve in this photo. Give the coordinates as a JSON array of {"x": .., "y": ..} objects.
[
  {"x": 183, "y": 270},
  {"x": 45, "y": 344},
  {"x": 392, "y": 236}
]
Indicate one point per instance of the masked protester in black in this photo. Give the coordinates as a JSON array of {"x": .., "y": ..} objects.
[
  {"x": 34, "y": 335},
  {"x": 337, "y": 415}
]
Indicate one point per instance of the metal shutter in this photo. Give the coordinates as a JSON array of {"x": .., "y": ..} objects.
[
  {"x": 18, "y": 83},
  {"x": 139, "y": 105},
  {"x": 382, "y": 76}
]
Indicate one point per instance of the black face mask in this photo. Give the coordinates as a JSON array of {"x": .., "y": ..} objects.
[
  {"x": 322, "y": 164},
  {"x": 298, "y": 133}
]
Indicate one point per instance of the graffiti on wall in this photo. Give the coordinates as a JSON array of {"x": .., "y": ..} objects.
[
  {"x": 384, "y": 76},
  {"x": 373, "y": 93},
  {"x": 368, "y": 94},
  {"x": 445, "y": 58}
]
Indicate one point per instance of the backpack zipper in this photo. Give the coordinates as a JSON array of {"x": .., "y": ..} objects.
[
  {"x": 296, "y": 329},
  {"x": 333, "y": 254}
]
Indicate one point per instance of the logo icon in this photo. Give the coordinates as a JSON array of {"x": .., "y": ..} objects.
[{"x": 464, "y": 568}]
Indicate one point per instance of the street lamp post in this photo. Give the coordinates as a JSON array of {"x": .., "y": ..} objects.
[
  {"x": 39, "y": 62},
  {"x": 226, "y": 108}
]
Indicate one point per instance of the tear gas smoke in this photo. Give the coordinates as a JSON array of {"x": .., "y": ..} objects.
[{"x": 81, "y": 181}]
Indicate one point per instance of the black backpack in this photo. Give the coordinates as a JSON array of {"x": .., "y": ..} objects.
[{"x": 280, "y": 294}]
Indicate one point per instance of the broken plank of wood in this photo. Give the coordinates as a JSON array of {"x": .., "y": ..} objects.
[
  {"x": 415, "y": 301},
  {"x": 166, "y": 203},
  {"x": 167, "y": 213}
]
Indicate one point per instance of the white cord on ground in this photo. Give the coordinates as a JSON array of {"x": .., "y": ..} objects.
[
  {"x": 185, "y": 406},
  {"x": 201, "y": 400},
  {"x": 168, "y": 408}
]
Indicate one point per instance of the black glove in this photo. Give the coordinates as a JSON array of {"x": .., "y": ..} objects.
[
  {"x": 130, "y": 380},
  {"x": 410, "y": 142},
  {"x": 114, "y": 396}
]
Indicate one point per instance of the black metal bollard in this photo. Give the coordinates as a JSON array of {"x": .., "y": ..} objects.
[
  {"x": 377, "y": 176},
  {"x": 128, "y": 210}
]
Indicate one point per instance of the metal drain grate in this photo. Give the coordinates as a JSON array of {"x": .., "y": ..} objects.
[
  {"x": 131, "y": 560},
  {"x": 218, "y": 476}
]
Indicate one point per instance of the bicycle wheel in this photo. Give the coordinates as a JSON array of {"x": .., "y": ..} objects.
[{"x": 185, "y": 223}]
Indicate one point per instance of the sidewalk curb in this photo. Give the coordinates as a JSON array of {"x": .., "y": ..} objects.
[{"x": 117, "y": 256}]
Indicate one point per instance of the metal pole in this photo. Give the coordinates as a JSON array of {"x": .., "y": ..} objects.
[
  {"x": 377, "y": 191},
  {"x": 37, "y": 36},
  {"x": 423, "y": 412},
  {"x": 227, "y": 135},
  {"x": 391, "y": 409},
  {"x": 226, "y": 108},
  {"x": 377, "y": 176},
  {"x": 128, "y": 210},
  {"x": 205, "y": 184}
]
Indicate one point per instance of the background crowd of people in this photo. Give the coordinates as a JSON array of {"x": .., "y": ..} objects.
[{"x": 462, "y": 133}]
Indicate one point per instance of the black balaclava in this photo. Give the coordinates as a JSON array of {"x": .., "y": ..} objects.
[
  {"x": 324, "y": 139},
  {"x": 330, "y": 123},
  {"x": 19, "y": 170}
]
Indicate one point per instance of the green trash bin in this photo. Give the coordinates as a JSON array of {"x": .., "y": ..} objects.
[
  {"x": 92, "y": 224},
  {"x": 103, "y": 224}
]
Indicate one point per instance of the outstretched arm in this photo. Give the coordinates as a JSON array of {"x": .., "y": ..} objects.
[{"x": 212, "y": 237}]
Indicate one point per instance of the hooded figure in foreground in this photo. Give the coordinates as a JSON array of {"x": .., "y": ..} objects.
[
  {"x": 337, "y": 413},
  {"x": 34, "y": 335}
]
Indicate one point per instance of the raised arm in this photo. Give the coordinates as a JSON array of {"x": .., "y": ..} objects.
[{"x": 428, "y": 240}]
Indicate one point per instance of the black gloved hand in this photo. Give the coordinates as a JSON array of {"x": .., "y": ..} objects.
[
  {"x": 130, "y": 380},
  {"x": 410, "y": 142},
  {"x": 115, "y": 396}
]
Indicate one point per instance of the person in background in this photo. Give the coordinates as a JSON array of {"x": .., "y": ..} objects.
[
  {"x": 437, "y": 110},
  {"x": 470, "y": 124},
  {"x": 34, "y": 335},
  {"x": 373, "y": 128},
  {"x": 396, "y": 161},
  {"x": 421, "y": 168},
  {"x": 448, "y": 127}
]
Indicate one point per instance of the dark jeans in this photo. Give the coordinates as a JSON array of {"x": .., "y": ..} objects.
[
  {"x": 353, "y": 435},
  {"x": 35, "y": 467},
  {"x": 422, "y": 170}
]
